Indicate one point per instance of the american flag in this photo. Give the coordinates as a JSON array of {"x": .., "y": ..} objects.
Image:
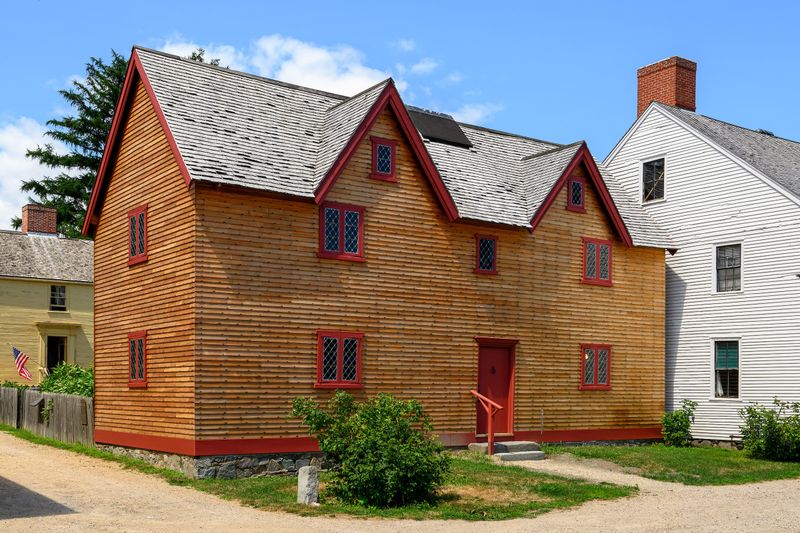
[{"x": 20, "y": 358}]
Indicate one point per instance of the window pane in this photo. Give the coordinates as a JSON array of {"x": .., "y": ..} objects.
[
  {"x": 602, "y": 367},
  {"x": 576, "y": 193},
  {"x": 140, "y": 358},
  {"x": 653, "y": 180},
  {"x": 351, "y": 232},
  {"x": 331, "y": 229},
  {"x": 330, "y": 347},
  {"x": 605, "y": 261},
  {"x": 726, "y": 363},
  {"x": 727, "y": 383},
  {"x": 486, "y": 254},
  {"x": 590, "y": 268},
  {"x": 141, "y": 233},
  {"x": 132, "y": 355},
  {"x": 384, "y": 159},
  {"x": 58, "y": 297},
  {"x": 132, "y": 228},
  {"x": 729, "y": 272},
  {"x": 588, "y": 366},
  {"x": 349, "y": 356}
]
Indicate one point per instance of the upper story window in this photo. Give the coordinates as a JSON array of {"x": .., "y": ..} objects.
[
  {"x": 137, "y": 235},
  {"x": 339, "y": 359},
  {"x": 383, "y": 159},
  {"x": 597, "y": 261},
  {"x": 729, "y": 268},
  {"x": 576, "y": 193},
  {"x": 58, "y": 298},
  {"x": 653, "y": 180},
  {"x": 596, "y": 367},
  {"x": 341, "y": 231},
  {"x": 137, "y": 359},
  {"x": 485, "y": 254},
  {"x": 726, "y": 369}
]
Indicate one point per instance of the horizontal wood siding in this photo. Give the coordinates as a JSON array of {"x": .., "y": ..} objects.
[
  {"x": 157, "y": 296},
  {"x": 263, "y": 293},
  {"x": 710, "y": 200}
]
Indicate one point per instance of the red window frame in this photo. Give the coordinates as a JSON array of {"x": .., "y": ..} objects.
[
  {"x": 595, "y": 385},
  {"x": 340, "y": 253},
  {"x": 137, "y": 383},
  {"x": 376, "y": 141},
  {"x": 578, "y": 208},
  {"x": 138, "y": 257},
  {"x": 478, "y": 269},
  {"x": 598, "y": 243},
  {"x": 339, "y": 383}
]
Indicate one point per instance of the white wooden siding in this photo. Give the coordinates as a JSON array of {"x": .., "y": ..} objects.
[{"x": 712, "y": 200}]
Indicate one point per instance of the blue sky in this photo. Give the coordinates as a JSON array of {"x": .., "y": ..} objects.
[{"x": 555, "y": 71}]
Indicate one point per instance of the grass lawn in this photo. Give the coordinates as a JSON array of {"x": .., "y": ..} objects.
[
  {"x": 690, "y": 466},
  {"x": 476, "y": 489}
]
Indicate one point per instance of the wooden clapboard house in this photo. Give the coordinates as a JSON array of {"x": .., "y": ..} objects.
[{"x": 256, "y": 241}]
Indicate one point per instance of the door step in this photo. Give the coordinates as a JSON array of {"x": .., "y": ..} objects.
[
  {"x": 505, "y": 447},
  {"x": 521, "y": 456}
]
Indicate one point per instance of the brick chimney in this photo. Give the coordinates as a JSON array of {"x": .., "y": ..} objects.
[
  {"x": 671, "y": 81},
  {"x": 39, "y": 219}
]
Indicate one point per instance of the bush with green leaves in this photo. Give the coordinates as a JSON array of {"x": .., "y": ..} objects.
[
  {"x": 772, "y": 433},
  {"x": 69, "y": 379},
  {"x": 383, "y": 450},
  {"x": 14, "y": 384},
  {"x": 676, "y": 426}
]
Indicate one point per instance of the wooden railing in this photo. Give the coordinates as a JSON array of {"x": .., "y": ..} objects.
[{"x": 491, "y": 408}]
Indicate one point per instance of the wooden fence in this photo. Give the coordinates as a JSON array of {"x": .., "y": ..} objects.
[{"x": 63, "y": 417}]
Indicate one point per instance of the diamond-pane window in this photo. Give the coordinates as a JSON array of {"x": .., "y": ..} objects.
[
  {"x": 729, "y": 268},
  {"x": 597, "y": 261},
  {"x": 331, "y": 229},
  {"x": 137, "y": 235},
  {"x": 596, "y": 370},
  {"x": 341, "y": 231},
  {"x": 351, "y": 226},
  {"x": 575, "y": 194},
  {"x": 137, "y": 359},
  {"x": 384, "y": 159},
  {"x": 486, "y": 250},
  {"x": 338, "y": 359}
]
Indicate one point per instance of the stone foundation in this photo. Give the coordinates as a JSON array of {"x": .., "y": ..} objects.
[
  {"x": 730, "y": 444},
  {"x": 223, "y": 466}
]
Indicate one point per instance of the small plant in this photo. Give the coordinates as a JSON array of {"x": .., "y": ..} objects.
[
  {"x": 383, "y": 450},
  {"x": 676, "y": 426},
  {"x": 772, "y": 433},
  {"x": 14, "y": 385},
  {"x": 47, "y": 410},
  {"x": 69, "y": 379}
]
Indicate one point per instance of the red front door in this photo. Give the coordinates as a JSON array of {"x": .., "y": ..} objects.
[{"x": 495, "y": 379}]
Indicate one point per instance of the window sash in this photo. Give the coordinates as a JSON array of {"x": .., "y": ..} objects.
[
  {"x": 726, "y": 369},
  {"x": 137, "y": 359},
  {"x": 729, "y": 268},
  {"x": 137, "y": 235},
  {"x": 339, "y": 358},
  {"x": 595, "y": 366},
  {"x": 486, "y": 260},
  {"x": 597, "y": 261},
  {"x": 58, "y": 298},
  {"x": 653, "y": 180},
  {"x": 341, "y": 230}
]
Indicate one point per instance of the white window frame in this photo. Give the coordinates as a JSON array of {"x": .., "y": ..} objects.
[
  {"x": 714, "y": 247},
  {"x": 641, "y": 179},
  {"x": 713, "y": 349},
  {"x": 50, "y": 300}
]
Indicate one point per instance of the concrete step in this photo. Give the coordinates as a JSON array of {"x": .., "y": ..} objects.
[
  {"x": 505, "y": 447},
  {"x": 521, "y": 456}
]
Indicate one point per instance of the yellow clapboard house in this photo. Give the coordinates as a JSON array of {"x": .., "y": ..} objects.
[{"x": 46, "y": 296}]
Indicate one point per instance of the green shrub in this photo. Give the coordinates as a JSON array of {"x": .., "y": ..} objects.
[
  {"x": 676, "y": 426},
  {"x": 14, "y": 385},
  {"x": 69, "y": 379},
  {"x": 383, "y": 450},
  {"x": 772, "y": 433}
]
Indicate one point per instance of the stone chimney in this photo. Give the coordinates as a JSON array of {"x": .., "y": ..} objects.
[
  {"x": 39, "y": 219},
  {"x": 671, "y": 81}
]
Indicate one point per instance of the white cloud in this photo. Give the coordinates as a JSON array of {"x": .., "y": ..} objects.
[
  {"x": 475, "y": 113},
  {"x": 228, "y": 55},
  {"x": 424, "y": 66},
  {"x": 16, "y": 137},
  {"x": 453, "y": 78},
  {"x": 406, "y": 45}
]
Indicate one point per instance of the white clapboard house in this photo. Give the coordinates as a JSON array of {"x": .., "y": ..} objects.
[{"x": 730, "y": 198}]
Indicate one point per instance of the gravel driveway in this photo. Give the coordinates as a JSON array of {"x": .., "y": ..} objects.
[{"x": 46, "y": 489}]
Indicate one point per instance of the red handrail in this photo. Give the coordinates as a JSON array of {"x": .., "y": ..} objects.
[{"x": 491, "y": 408}]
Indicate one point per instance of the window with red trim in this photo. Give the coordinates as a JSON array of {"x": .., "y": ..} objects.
[
  {"x": 576, "y": 194},
  {"x": 137, "y": 235},
  {"x": 137, "y": 359},
  {"x": 597, "y": 261},
  {"x": 595, "y": 366},
  {"x": 383, "y": 159},
  {"x": 341, "y": 231},
  {"x": 339, "y": 359},
  {"x": 485, "y": 254}
]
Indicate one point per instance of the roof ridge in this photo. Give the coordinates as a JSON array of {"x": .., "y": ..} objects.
[
  {"x": 552, "y": 150},
  {"x": 773, "y": 136},
  {"x": 386, "y": 81},
  {"x": 228, "y": 70}
]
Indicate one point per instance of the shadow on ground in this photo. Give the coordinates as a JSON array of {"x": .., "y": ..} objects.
[{"x": 17, "y": 501}]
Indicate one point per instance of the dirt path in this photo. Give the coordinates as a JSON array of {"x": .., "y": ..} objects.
[{"x": 46, "y": 489}]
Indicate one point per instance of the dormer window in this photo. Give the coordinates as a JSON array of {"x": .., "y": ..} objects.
[
  {"x": 576, "y": 193},
  {"x": 383, "y": 159}
]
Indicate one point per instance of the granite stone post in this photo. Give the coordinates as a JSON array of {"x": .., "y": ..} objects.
[{"x": 308, "y": 485}]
